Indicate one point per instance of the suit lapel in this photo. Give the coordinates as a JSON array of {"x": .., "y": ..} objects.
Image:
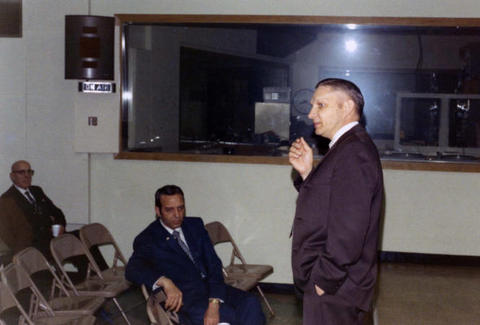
[
  {"x": 330, "y": 151},
  {"x": 171, "y": 242},
  {"x": 191, "y": 240},
  {"x": 22, "y": 200},
  {"x": 164, "y": 236}
]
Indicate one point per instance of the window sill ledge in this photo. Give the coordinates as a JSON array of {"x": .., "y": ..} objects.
[{"x": 446, "y": 166}]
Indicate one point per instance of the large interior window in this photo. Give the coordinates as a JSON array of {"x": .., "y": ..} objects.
[{"x": 213, "y": 87}]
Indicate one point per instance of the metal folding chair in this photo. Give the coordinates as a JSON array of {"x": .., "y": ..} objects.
[
  {"x": 240, "y": 275},
  {"x": 96, "y": 234},
  {"x": 67, "y": 246},
  {"x": 13, "y": 280},
  {"x": 33, "y": 262}
]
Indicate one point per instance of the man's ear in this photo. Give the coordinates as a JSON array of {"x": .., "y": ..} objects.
[
  {"x": 349, "y": 107},
  {"x": 157, "y": 211}
]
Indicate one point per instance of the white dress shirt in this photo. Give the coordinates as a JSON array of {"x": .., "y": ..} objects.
[
  {"x": 341, "y": 132},
  {"x": 24, "y": 192},
  {"x": 170, "y": 231}
]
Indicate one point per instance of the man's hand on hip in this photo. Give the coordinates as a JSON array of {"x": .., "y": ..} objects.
[{"x": 319, "y": 291}]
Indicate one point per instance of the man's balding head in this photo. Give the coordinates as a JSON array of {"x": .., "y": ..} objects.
[{"x": 21, "y": 174}]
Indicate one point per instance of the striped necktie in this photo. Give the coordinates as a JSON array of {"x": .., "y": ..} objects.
[{"x": 30, "y": 197}]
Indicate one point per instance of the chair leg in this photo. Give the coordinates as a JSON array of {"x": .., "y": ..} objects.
[
  {"x": 375, "y": 315},
  {"x": 121, "y": 310},
  {"x": 266, "y": 301}
]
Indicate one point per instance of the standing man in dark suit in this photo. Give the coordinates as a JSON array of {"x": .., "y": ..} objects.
[
  {"x": 174, "y": 253},
  {"x": 335, "y": 231},
  {"x": 26, "y": 213}
]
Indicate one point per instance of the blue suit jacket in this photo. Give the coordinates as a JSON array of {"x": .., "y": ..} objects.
[{"x": 156, "y": 253}]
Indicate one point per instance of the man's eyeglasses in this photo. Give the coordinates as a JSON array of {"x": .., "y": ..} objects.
[{"x": 24, "y": 172}]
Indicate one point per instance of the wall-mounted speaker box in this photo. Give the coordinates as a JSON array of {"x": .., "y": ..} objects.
[{"x": 89, "y": 47}]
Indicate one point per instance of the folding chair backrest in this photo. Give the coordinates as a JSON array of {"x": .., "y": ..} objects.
[
  {"x": 7, "y": 301},
  {"x": 96, "y": 234},
  {"x": 219, "y": 234},
  {"x": 14, "y": 279},
  {"x": 66, "y": 246},
  {"x": 32, "y": 261}
]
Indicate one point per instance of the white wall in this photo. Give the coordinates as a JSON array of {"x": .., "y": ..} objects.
[
  {"x": 426, "y": 211},
  {"x": 36, "y": 107},
  {"x": 432, "y": 212}
]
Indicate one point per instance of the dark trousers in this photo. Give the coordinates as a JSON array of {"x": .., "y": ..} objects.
[
  {"x": 239, "y": 308},
  {"x": 330, "y": 310}
]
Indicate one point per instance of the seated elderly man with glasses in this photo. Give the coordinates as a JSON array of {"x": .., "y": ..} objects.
[{"x": 27, "y": 214}]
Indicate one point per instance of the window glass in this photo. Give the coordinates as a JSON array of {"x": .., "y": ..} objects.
[{"x": 244, "y": 89}]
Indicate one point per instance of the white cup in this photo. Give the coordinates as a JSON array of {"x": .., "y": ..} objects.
[
  {"x": 223, "y": 323},
  {"x": 56, "y": 230}
]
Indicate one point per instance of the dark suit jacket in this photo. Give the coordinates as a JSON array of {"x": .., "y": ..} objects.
[
  {"x": 23, "y": 224},
  {"x": 335, "y": 230},
  {"x": 156, "y": 253}
]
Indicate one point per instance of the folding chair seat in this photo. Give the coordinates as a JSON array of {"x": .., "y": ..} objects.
[
  {"x": 67, "y": 246},
  {"x": 156, "y": 312},
  {"x": 240, "y": 275},
  {"x": 33, "y": 262},
  {"x": 242, "y": 283},
  {"x": 13, "y": 280},
  {"x": 96, "y": 234}
]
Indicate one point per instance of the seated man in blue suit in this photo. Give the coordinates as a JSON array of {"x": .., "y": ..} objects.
[{"x": 174, "y": 253}]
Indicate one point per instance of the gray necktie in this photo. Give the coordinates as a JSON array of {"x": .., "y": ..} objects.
[
  {"x": 185, "y": 248},
  {"x": 30, "y": 197}
]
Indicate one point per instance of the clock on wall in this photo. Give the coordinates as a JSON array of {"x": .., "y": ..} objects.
[
  {"x": 300, "y": 124},
  {"x": 301, "y": 101}
]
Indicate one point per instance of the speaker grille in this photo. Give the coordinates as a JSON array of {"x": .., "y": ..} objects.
[{"x": 89, "y": 47}]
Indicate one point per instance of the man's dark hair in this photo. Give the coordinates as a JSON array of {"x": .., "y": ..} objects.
[
  {"x": 166, "y": 190},
  {"x": 349, "y": 88}
]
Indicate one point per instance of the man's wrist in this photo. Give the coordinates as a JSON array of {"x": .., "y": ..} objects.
[
  {"x": 305, "y": 174},
  {"x": 160, "y": 283},
  {"x": 214, "y": 301}
]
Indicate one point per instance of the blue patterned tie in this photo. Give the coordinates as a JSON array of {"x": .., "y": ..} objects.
[{"x": 185, "y": 248}]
